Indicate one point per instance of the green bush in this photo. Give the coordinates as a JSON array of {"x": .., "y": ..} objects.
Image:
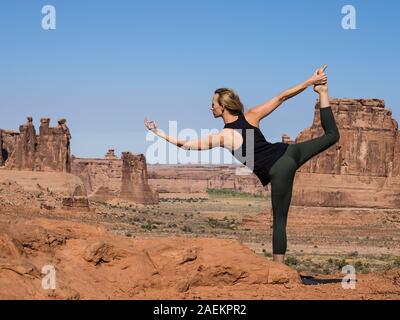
[
  {"x": 358, "y": 265},
  {"x": 291, "y": 261},
  {"x": 223, "y": 224},
  {"x": 186, "y": 229},
  {"x": 396, "y": 262},
  {"x": 340, "y": 263},
  {"x": 149, "y": 226},
  {"x": 226, "y": 192},
  {"x": 267, "y": 254},
  {"x": 353, "y": 254}
]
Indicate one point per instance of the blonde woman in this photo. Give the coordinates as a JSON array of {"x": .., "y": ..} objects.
[{"x": 274, "y": 163}]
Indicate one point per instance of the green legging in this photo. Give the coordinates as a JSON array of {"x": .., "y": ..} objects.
[{"x": 283, "y": 171}]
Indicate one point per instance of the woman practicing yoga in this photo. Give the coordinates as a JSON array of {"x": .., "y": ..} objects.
[{"x": 271, "y": 162}]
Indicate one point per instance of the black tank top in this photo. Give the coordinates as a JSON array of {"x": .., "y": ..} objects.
[{"x": 265, "y": 153}]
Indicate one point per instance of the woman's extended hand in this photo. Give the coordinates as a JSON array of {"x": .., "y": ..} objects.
[
  {"x": 319, "y": 77},
  {"x": 150, "y": 125}
]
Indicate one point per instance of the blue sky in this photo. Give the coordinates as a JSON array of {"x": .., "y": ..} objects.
[{"x": 111, "y": 63}]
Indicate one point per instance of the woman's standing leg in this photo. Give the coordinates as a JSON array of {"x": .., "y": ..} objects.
[
  {"x": 282, "y": 173},
  {"x": 282, "y": 176}
]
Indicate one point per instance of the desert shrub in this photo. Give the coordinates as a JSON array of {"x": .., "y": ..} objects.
[
  {"x": 291, "y": 261},
  {"x": 148, "y": 226},
  {"x": 353, "y": 254},
  {"x": 396, "y": 262},
  {"x": 186, "y": 229},
  {"x": 266, "y": 254},
  {"x": 226, "y": 192},
  {"x": 223, "y": 224},
  {"x": 340, "y": 263}
]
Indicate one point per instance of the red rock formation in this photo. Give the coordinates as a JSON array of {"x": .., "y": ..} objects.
[
  {"x": 112, "y": 177},
  {"x": 8, "y": 141},
  {"x": 23, "y": 155},
  {"x": 286, "y": 138},
  {"x": 101, "y": 177},
  {"x": 1, "y": 149},
  {"x": 48, "y": 151},
  {"x": 117, "y": 267},
  {"x": 362, "y": 168},
  {"x": 134, "y": 184},
  {"x": 367, "y": 139},
  {"x": 92, "y": 263},
  {"x": 53, "y": 144},
  {"x": 110, "y": 154}
]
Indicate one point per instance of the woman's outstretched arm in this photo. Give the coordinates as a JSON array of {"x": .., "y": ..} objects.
[
  {"x": 204, "y": 143},
  {"x": 152, "y": 126},
  {"x": 261, "y": 111}
]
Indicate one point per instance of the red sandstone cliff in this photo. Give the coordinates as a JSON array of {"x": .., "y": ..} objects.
[
  {"x": 48, "y": 151},
  {"x": 362, "y": 168}
]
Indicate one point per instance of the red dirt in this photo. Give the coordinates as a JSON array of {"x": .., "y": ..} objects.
[{"x": 92, "y": 263}]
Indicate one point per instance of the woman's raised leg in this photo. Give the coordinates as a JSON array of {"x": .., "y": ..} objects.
[{"x": 307, "y": 149}]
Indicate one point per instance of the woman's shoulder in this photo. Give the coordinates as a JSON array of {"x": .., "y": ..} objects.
[{"x": 251, "y": 119}]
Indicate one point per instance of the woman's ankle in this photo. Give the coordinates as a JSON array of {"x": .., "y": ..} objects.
[
  {"x": 324, "y": 100},
  {"x": 279, "y": 258}
]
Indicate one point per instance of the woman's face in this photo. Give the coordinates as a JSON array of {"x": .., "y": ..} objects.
[{"x": 216, "y": 108}]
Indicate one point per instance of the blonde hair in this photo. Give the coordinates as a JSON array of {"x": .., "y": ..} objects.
[{"x": 229, "y": 99}]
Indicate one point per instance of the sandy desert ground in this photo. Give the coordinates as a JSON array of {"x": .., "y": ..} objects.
[{"x": 204, "y": 246}]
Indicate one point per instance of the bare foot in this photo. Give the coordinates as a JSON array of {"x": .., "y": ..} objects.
[
  {"x": 321, "y": 88},
  {"x": 322, "y": 85}
]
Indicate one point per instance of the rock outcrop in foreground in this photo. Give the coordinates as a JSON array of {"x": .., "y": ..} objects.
[
  {"x": 90, "y": 263},
  {"x": 93, "y": 264}
]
